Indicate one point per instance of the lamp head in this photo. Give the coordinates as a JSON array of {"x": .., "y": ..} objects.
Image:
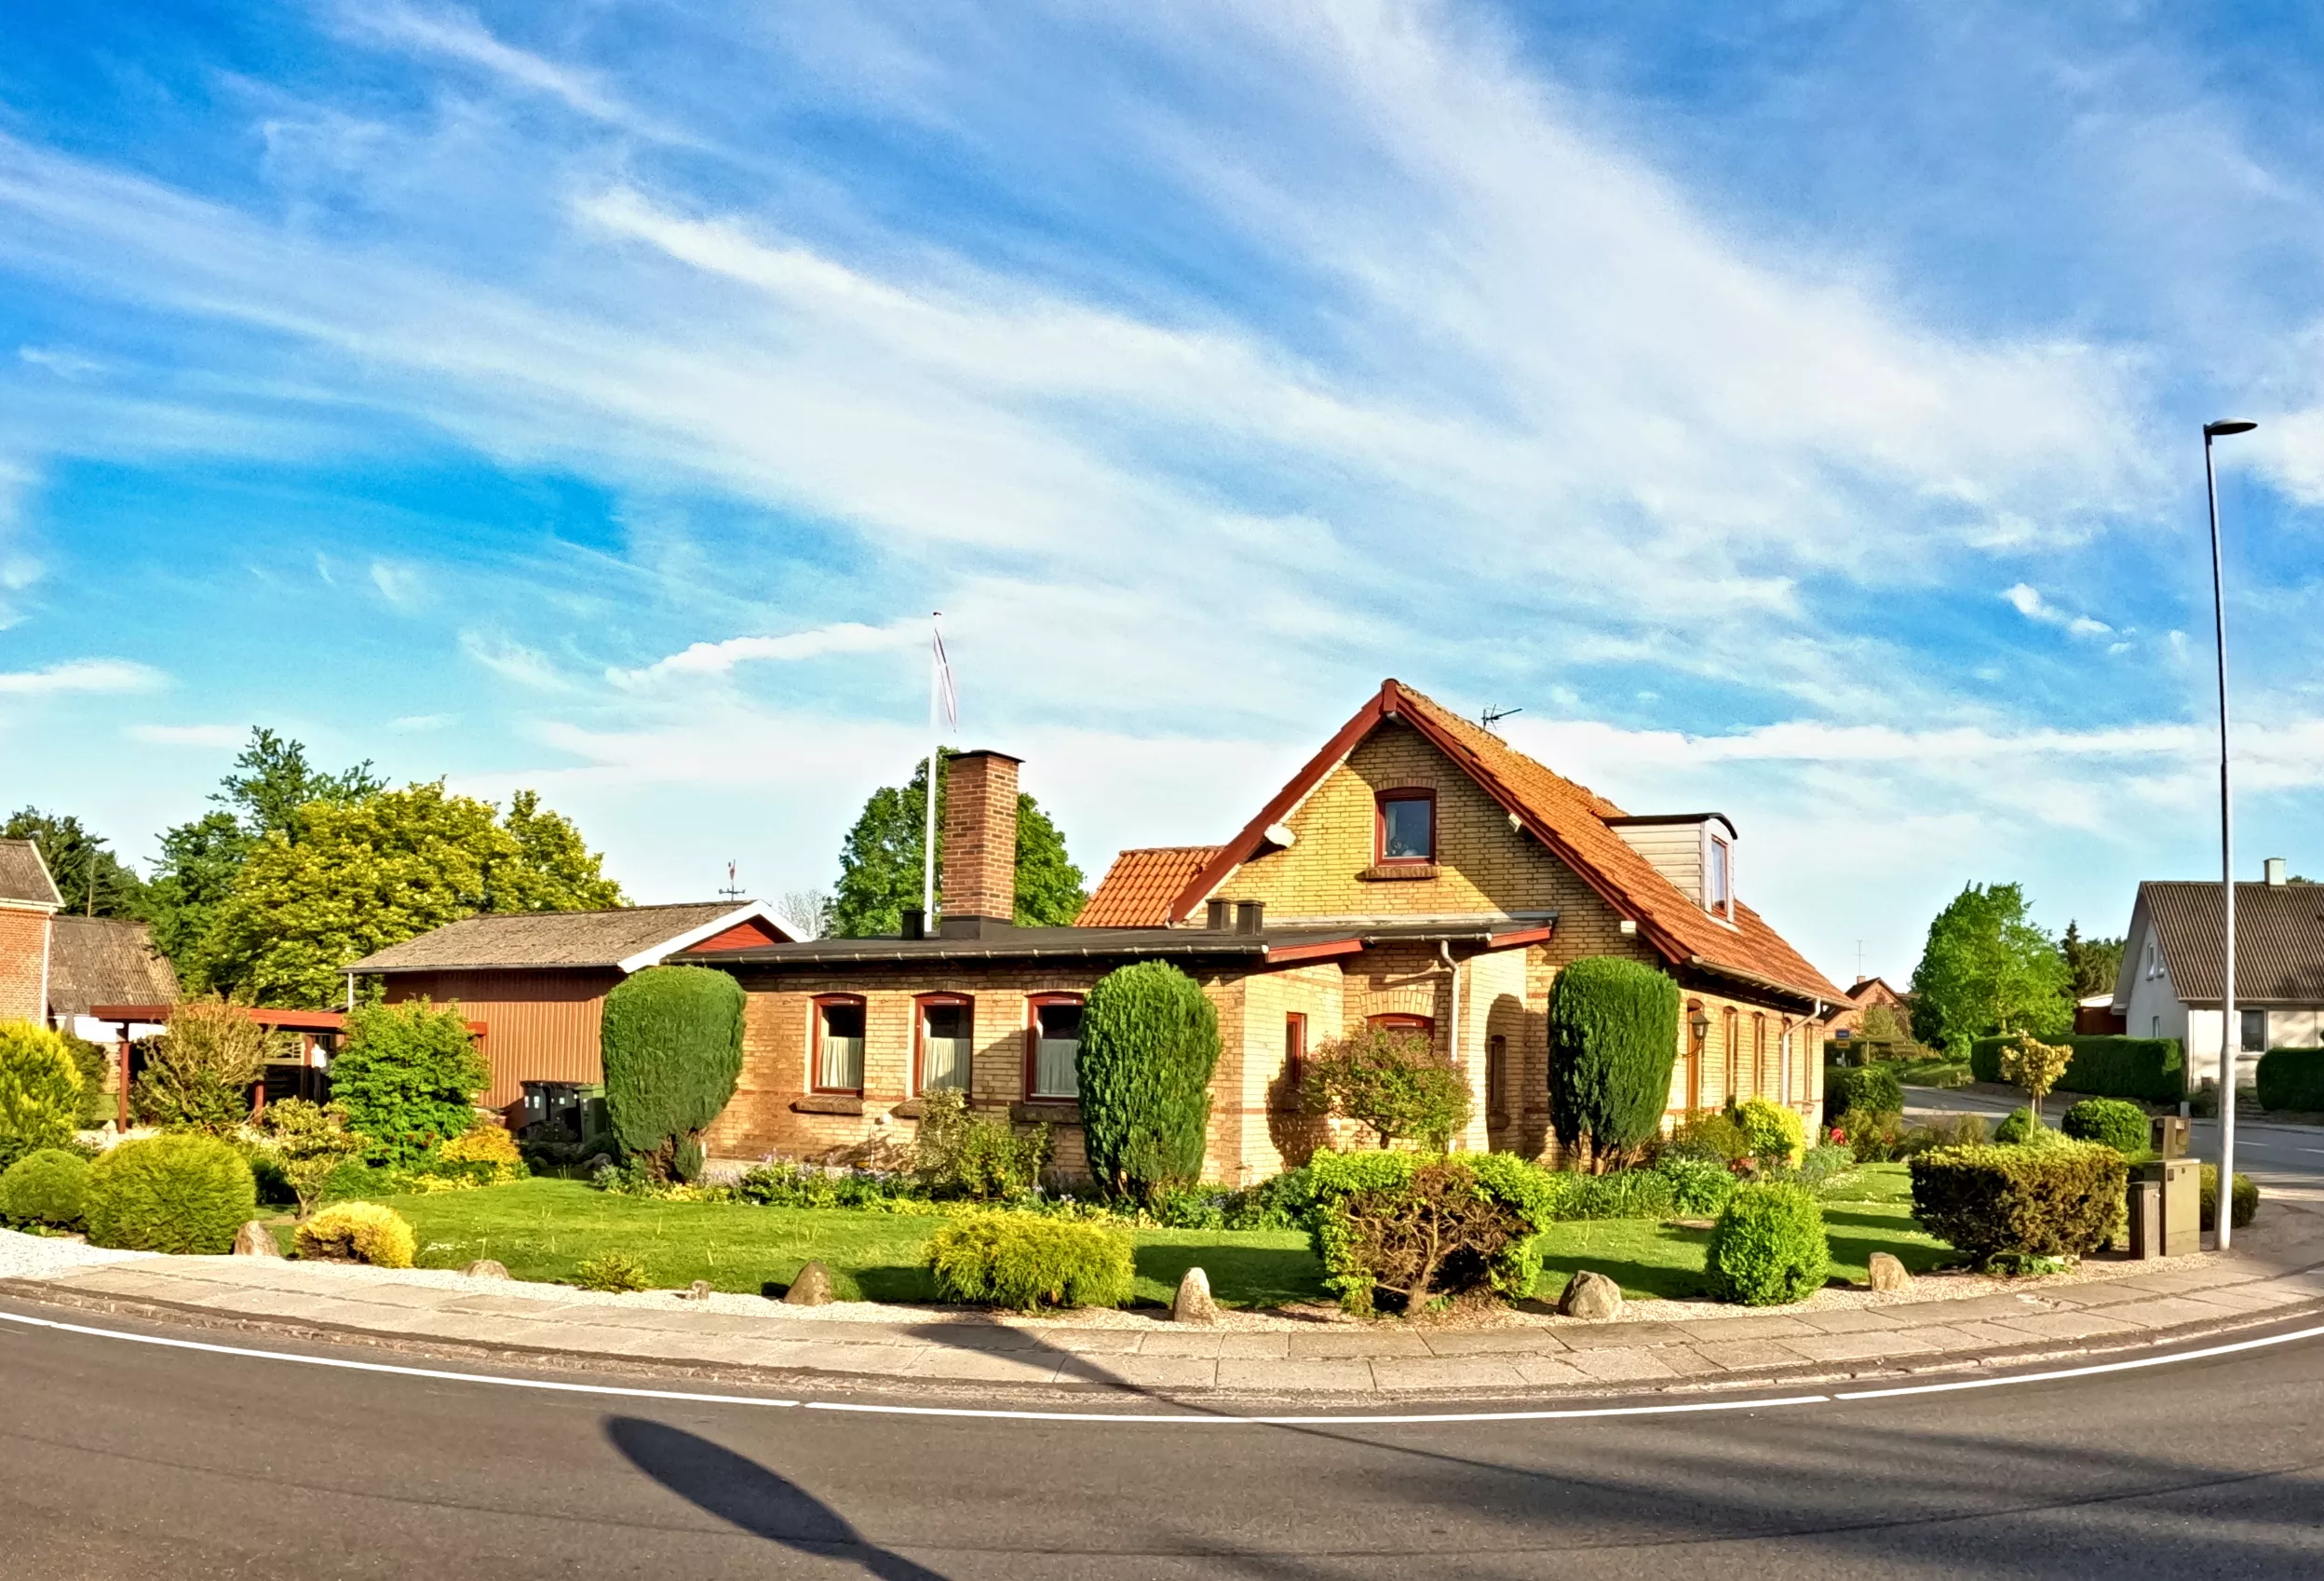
[{"x": 2222, "y": 429}]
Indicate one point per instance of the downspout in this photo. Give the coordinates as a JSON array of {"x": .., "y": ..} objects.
[{"x": 1444, "y": 952}]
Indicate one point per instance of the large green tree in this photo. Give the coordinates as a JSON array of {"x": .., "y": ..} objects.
[
  {"x": 1988, "y": 969},
  {"x": 93, "y": 881},
  {"x": 270, "y": 781},
  {"x": 349, "y": 877},
  {"x": 2091, "y": 964},
  {"x": 880, "y": 865}
]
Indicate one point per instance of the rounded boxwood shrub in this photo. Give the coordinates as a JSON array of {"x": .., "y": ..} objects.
[
  {"x": 181, "y": 1192},
  {"x": 1768, "y": 1247},
  {"x": 47, "y": 1187},
  {"x": 671, "y": 1041},
  {"x": 2016, "y": 1127},
  {"x": 2060, "y": 1200},
  {"x": 1149, "y": 1044},
  {"x": 1777, "y": 1134},
  {"x": 2293, "y": 1080},
  {"x": 1614, "y": 1034},
  {"x": 1873, "y": 1089},
  {"x": 2247, "y": 1199},
  {"x": 358, "y": 1232},
  {"x": 1024, "y": 1261},
  {"x": 1700, "y": 1188},
  {"x": 2117, "y": 1122}
]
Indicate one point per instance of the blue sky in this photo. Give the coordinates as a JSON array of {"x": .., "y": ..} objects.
[{"x": 1792, "y": 407}]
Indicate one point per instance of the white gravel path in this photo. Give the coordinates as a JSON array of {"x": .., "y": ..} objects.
[{"x": 34, "y": 1257}]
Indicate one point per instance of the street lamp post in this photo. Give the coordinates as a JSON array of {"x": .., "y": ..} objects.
[{"x": 2230, "y": 1038}]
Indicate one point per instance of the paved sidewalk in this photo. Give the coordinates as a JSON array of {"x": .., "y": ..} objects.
[{"x": 767, "y": 1340}]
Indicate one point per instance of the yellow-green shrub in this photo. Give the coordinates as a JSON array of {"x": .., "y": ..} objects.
[
  {"x": 182, "y": 1193},
  {"x": 358, "y": 1232},
  {"x": 1024, "y": 1261},
  {"x": 1777, "y": 1134}
]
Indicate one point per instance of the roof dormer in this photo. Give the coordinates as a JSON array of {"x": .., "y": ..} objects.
[{"x": 1694, "y": 851}]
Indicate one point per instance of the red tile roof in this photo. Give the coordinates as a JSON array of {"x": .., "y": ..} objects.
[
  {"x": 1571, "y": 820},
  {"x": 1137, "y": 889}
]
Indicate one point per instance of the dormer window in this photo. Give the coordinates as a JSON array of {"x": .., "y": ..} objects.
[
  {"x": 1719, "y": 879},
  {"x": 1407, "y": 826}
]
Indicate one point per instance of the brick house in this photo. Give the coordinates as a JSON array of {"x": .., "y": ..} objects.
[
  {"x": 534, "y": 983},
  {"x": 1848, "y": 1020},
  {"x": 28, "y": 901},
  {"x": 1417, "y": 872}
]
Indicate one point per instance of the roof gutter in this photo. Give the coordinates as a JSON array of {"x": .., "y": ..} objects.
[{"x": 1738, "y": 974}]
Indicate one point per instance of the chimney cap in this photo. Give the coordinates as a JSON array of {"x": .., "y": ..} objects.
[
  {"x": 2274, "y": 871},
  {"x": 982, "y": 752}
]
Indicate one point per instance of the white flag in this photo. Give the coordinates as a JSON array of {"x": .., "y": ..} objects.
[{"x": 944, "y": 684}]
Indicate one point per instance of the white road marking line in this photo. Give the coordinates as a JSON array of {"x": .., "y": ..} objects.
[
  {"x": 1178, "y": 1418},
  {"x": 2090, "y": 1372}
]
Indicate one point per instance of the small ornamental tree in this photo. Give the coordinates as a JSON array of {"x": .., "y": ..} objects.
[
  {"x": 407, "y": 1078},
  {"x": 199, "y": 1072},
  {"x": 1614, "y": 1031},
  {"x": 672, "y": 1047},
  {"x": 1149, "y": 1043},
  {"x": 2035, "y": 1066},
  {"x": 1394, "y": 1082},
  {"x": 308, "y": 1142},
  {"x": 40, "y": 1091}
]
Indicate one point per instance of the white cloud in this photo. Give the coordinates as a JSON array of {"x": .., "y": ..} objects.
[
  {"x": 188, "y": 734},
  {"x": 456, "y": 34},
  {"x": 64, "y": 364},
  {"x": 2029, "y": 603},
  {"x": 512, "y": 661},
  {"x": 81, "y": 676},
  {"x": 414, "y": 724},
  {"x": 718, "y": 659},
  {"x": 403, "y": 585}
]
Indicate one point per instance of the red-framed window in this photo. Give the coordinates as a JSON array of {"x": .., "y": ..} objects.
[
  {"x": 1404, "y": 827},
  {"x": 1052, "y": 1046},
  {"x": 1423, "y": 1026},
  {"x": 835, "y": 1060},
  {"x": 1295, "y": 1043},
  {"x": 1497, "y": 1075},
  {"x": 1731, "y": 1037},
  {"x": 1759, "y": 1055},
  {"x": 943, "y": 1035}
]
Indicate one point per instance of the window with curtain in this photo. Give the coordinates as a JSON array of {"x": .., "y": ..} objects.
[
  {"x": 1408, "y": 826},
  {"x": 947, "y": 1029},
  {"x": 1055, "y": 1045},
  {"x": 839, "y": 1045},
  {"x": 2255, "y": 1031}
]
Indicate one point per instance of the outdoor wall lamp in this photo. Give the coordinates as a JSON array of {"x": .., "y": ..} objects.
[{"x": 1699, "y": 1023}]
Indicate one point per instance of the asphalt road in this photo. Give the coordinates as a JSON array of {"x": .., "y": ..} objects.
[
  {"x": 2287, "y": 1154},
  {"x": 124, "y": 1460}
]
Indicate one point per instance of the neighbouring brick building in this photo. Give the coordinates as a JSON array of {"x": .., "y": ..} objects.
[
  {"x": 1418, "y": 872},
  {"x": 28, "y": 901}
]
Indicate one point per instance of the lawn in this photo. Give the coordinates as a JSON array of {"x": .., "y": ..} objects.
[
  {"x": 1872, "y": 1213},
  {"x": 543, "y": 1229}
]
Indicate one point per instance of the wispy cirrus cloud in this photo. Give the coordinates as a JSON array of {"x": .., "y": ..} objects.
[
  {"x": 2028, "y": 601},
  {"x": 189, "y": 735},
  {"x": 84, "y": 676},
  {"x": 718, "y": 659}
]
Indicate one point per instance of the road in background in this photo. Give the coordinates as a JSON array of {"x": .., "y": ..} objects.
[
  {"x": 2292, "y": 1156},
  {"x": 130, "y": 1461}
]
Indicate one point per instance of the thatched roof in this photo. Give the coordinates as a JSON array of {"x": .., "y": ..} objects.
[
  {"x": 24, "y": 877},
  {"x": 105, "y": 961},
  {"x": 518, "y": 940}
]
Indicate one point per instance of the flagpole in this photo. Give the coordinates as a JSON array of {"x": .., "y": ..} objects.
[{"x": 936, "y": 689}]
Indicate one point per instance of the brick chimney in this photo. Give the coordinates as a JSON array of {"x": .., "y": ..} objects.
[{"x": 979, "y": 879}]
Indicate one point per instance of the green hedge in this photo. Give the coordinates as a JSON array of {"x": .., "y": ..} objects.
[
  {"x": 670, "y": 1042},
  {"x": 1871, "y": 1087},
  {"x": 2063, "y": 1199},
  {"x": 2247, "y": 1199},
  {"x": 181, "y": 1192},
  {"x": 1024, "y": 1261},
  {"x": 1417, "y": 1226},
  {"x": 1768, "y": 1247},
  {"x": 2292, "y": 1079},
  {"x": 2119, "y": 1123},
  {"x": 2152, "y": 1069}
]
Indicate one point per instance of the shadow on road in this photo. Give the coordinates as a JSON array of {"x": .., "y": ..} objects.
[{"x": 744, "y": 1494}]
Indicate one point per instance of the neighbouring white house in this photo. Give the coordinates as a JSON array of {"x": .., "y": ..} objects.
[{"x": 2170, "y": 977}]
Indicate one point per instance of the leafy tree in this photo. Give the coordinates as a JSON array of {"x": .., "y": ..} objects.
[
  {"x": 406, "y": 1078},
  {"x": 1149, "y": 1044},
  {"x": 308, "y": 1142},
  {"x": 2035, "y": 1066},
  {"x": 40, "y": 1091},
  {"x": 201, "y": 858},
  {"x": 880, "y": 864},
  {"x": 93, "y": 881},
  {"x": 1614, "y": 1031},
  {"x": 2091, "y": 964},
  {"x": 671, "y": 1042},
  {"x": 351, "y": 877},
  {"x": 1987, "y": 969},
  {"x": 1394, "y": 1082},
  {"x": 199, "y": 1072}
]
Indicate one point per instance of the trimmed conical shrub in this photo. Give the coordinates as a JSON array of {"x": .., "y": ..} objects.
[
  {"x": 1149, "y": 1043},
  {"x": 1614, "y": 1029},
  {"x": 672, "y": 1047}
]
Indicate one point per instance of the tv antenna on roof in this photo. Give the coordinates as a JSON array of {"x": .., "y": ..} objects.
[
  {"x": 733, "y": 890},
  {"x": 1493, "y": 716}
]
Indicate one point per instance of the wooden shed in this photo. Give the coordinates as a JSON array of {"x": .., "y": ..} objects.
[{"x": 537, "y": 981}]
